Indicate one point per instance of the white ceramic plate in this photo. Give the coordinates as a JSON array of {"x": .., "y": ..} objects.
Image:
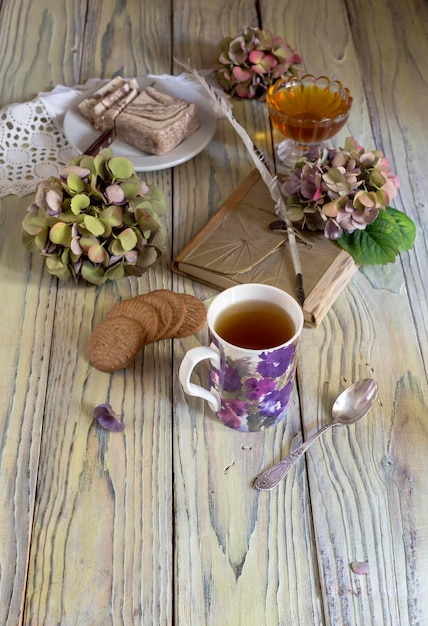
[{"x": 81, "y": 134}]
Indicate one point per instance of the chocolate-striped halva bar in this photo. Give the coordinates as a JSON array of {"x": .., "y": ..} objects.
[
  {"x": 105, "y": 104},
  {"x": 152, "y": 121},
  {"x": 156, "y": 122}
]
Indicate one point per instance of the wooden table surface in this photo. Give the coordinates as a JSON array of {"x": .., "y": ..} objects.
[{"x": 160, "y": 525}]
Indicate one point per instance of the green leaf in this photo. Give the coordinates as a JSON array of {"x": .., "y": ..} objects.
[
  {"x": 79, "y": 202},
  {"x": 407, "y": 228},
  {"x": 87, "y": 242},
  {"x": 131, "y": 188},
  {"x": 145, "y": 219},
  {"x": 115, "y": 272},
  {"x": 156, "y": 199},
  {"x": 128, "y": 239},
  {"x": 87, "y": 162},
  {"x": 57, "y": 268},
  {"x": 96, "y": 193},
  {"x": 112, "y": 214},
  {"x": 32, "y": 224},
  {"x": 92, "y": 274},
  {"x": 101, "y": 159},
  {"x": 60, "y": 233},
  {"x": 378, "y": 244},
  {"x": 94, "y": 225},
  {"x": 121, "y": 167},
  {"x": 107, "y": 228},
  {"x": 65, "y": 256},
  {"x": 116, "y": 248},
  {"x": 74, "y": 258},
  {"x": 71, "y": 218},
  {"x": 159, "y": 201},
  {"x": 35, "y": 243},
  {"x": 75, "y": 183}
]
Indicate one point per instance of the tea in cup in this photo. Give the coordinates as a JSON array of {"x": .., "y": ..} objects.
[{"x": 254, "y": 331}]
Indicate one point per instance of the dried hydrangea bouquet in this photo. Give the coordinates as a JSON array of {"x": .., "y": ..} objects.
[
  {"x": 248, "y": 63},
  {"x": 98, "y": 221},
  {"x": 347, "y": 194}
]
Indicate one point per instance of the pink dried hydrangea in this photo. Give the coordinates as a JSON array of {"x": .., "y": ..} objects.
[
  {"x": 254, "y": 59},
  {"x": 340, "y": 190},
  {"x": 347, "y": 194}
]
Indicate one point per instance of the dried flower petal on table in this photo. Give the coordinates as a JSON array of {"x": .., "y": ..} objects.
[
  {"x": 360, "y": 567},
  {"x": 107, "y": 418}
]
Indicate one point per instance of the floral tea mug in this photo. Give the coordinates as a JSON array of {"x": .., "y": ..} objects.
[{"x": 254, "y": 331}]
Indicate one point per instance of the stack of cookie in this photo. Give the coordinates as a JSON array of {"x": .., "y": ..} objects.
[{"x": 131, "y": 324}]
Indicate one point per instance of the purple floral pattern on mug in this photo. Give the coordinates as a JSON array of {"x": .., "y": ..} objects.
[{"x": 255, "y": 392}]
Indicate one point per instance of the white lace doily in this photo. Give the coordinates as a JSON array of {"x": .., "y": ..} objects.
[{"x": 32, "y": 144}]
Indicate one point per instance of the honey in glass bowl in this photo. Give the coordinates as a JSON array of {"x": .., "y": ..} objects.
[{"x": 308, "y": 110}]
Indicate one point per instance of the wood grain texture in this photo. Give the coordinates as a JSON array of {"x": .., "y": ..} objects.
[
  {"x": 235, "y": 548},
  {"x": 231, "y": 538},
  {"x": 160, "y": 524},
  {"x": 39, "y": 47},
  {"x": 236, "y": 246},
  {"x": 126, "y": 38},
  {"x": 27, "y": 307},
  {"x": 400, "y": 116}
]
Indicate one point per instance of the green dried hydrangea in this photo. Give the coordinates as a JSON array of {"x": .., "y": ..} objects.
[{"x": 98, "y": 221}]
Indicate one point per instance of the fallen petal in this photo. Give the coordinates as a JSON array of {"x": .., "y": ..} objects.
[
  {"x": 360, "y": 567},
  {"x": 107, "y": 418}
]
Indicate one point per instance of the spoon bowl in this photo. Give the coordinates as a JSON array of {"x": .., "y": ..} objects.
[
  {"x": 349, "y": 407},
  {"x": 354, "y": 402}
]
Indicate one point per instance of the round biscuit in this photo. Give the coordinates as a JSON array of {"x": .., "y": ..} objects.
[
  {"x": 163, "y": 309},
  {"x": 114, "y": 343},
  {"x": 195, "y": 317},
  {"x": 178, "y": 310},
  {"x": 142, "y": 312}
]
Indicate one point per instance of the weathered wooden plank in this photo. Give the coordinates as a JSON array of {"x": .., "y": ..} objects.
[
  {"x": 101, "y": 549},
  {"x": 102, "y": 539},
  {"x": 358, "y": 478},
  {"x": 126, "y": 39},
  {"x": 393, "y": 48},
  {"x": 28, "y": 302},
  {"x": 239, "y": 553},
  {"x": 27, "y": 310},
  {"x": 40, "y": 47}
]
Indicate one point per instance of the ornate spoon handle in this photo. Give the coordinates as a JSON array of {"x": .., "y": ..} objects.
[{"x": 271, "y": 477}]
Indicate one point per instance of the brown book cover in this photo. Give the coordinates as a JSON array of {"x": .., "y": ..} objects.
[{"x": 237, "y": 246}]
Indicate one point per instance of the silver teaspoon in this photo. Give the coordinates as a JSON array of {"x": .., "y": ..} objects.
[{"x": 351, "y": 406}]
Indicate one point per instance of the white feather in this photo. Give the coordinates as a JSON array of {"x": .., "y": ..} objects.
[{"x": 271, "y": 181}]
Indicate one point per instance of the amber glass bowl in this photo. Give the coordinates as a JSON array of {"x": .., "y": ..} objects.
[{"x": 307, "y": 111}]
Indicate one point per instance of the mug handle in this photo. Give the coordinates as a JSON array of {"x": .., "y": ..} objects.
[{"x": 189, "y": 362}]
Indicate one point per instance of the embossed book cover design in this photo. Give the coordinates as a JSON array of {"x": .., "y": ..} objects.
[{"x": 237, "y": 246}]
